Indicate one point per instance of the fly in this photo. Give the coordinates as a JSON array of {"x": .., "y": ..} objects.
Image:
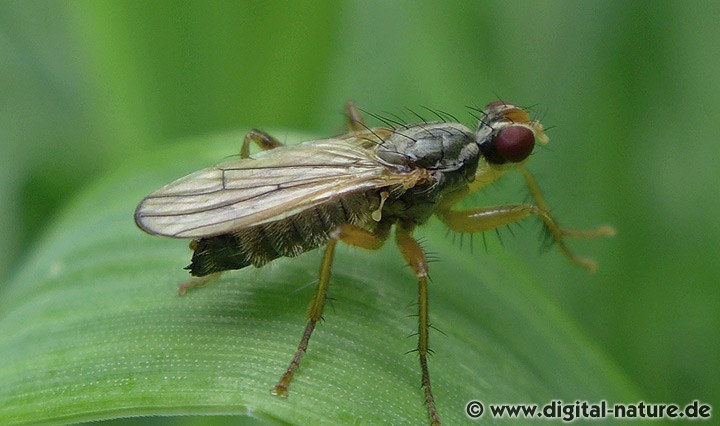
[{"x": 353, "y": 188}]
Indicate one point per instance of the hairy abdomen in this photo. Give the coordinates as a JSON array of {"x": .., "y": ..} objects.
[{"x": 291, "y": 236}]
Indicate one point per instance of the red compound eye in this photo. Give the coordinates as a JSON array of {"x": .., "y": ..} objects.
[{"x": 514, "y": 143}]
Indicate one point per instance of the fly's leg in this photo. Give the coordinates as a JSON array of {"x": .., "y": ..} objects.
[
  {"x": 262, "y": 139},
  {"x": 356, "y": 124},
  {"x": 348, "y": 234},
  {"x": 197, "y": 282},
  {"x": 415, "y": 258},
  {"x": 558, "y": 232},
  {"x": 354, "y": 118},
  {"x": 487, "y": 218}
]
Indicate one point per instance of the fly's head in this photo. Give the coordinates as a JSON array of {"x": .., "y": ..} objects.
[{"x": 506, "y": 135}]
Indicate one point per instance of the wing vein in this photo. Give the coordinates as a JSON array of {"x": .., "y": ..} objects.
[{"x": 274, "y": 185}]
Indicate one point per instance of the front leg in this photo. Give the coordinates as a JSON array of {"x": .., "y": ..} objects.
[{"x": 487, "y": 218}]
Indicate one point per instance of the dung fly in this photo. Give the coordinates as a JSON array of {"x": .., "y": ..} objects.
[{"x": 353, "y": 188}]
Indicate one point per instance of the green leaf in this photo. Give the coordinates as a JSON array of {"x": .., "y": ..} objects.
[{"x": 91, "y": 327}]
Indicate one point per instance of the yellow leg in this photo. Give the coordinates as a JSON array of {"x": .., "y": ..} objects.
[
  {"x": 349, "y": 234},
  {"x": 415, "y": 257},
  {"x": 262, "y": 139},
  {"x": 484, "y": 219},
  {"x": 606, "y": 231},
  {"x": 197, "y": 282}
]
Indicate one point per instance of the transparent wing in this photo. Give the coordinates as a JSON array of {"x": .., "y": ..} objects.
[{"x": 272, "y": 185}]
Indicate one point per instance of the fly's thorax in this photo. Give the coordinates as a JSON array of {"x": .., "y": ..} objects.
[
  {"x": 448, "y": 151},
  {"x": 432, "y": 146}
]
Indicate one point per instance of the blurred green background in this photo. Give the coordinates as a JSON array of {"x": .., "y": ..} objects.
[{"x": 630, "y": 87}]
